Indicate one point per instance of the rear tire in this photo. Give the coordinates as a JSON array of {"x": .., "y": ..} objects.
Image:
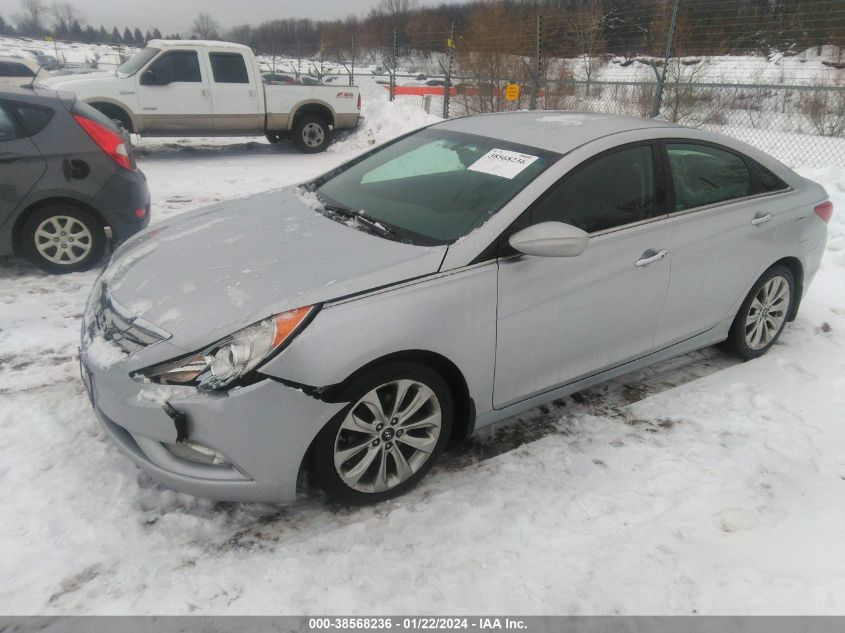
[
  {"x": 62, "y": 237},
  {"x": 388, "y": 438},
  {"x": 311, "y": 134},
  {"x": 763, "y": 314}
]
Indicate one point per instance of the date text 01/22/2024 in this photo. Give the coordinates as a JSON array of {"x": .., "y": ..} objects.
[{"x": 416, "y": 623}]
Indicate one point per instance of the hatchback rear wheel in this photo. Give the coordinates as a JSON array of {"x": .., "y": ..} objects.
[
  {"x": 763, "y": 314},
  {"x": 388, "y": 438},
  {"x": 63, "y": 238}
]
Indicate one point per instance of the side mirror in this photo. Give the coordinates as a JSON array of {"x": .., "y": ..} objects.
[
  {"x": 151, "y": 77},
  {"x": 550, "y": 239}
]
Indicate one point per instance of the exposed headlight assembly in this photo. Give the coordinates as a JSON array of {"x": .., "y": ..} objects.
[{"x": 224, "y": 362}]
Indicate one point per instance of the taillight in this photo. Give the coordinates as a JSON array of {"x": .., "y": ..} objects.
[
  {"x": 110, "y": 142},
  {"x": 824, "y": 211},
  {"x": 359, "y": 100}
]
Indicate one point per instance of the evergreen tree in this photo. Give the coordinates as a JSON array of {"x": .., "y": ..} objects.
[
  {"x": 127, "y": 36},
  {"x": 156, "y": 34},
  {"x": 102, "y": 35},
  {"x": 138, "y": 37},
  {"x": 115, "y": 36}
]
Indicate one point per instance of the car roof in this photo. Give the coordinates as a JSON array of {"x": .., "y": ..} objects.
[
  {"x": 196, "y": 43},
  {"x": 36, "y": 95},
  {"x": 551, "y": 130}
]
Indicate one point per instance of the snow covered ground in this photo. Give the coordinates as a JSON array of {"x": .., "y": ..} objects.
[{"x": 701, "y": 485}]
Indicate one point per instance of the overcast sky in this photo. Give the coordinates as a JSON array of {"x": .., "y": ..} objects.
[{"x": 173, "y": 16}]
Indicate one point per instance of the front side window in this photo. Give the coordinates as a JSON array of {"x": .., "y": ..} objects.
[
  {"x": 177, "y": 66},
  {"x": 8, "y": 130},
  {"x": 705, "y": 175},
  {"x": 228, "y": 68},
  {"x": 433, "y": 186},
  {"x": 612, "y": 190}
]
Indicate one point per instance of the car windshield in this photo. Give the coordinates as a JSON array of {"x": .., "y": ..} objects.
[
  {"x": 433, "y": 186},
  {"x": 136, "y": 62}
]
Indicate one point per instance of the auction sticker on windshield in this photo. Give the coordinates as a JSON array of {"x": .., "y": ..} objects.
[{"x": 502, "y": 162}]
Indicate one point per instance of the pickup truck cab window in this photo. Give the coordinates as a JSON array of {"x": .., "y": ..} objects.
[
  {"x": 228, "y": 68},
  {"x": 704, "y": 175},
  {"x": 585, "y": 200},
  {"x": 177, "y": 66}
]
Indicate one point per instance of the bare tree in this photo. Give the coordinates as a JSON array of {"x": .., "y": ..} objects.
[
  {"x": 585, "y": 23},
  {"x": 64, "y": 14},
  {"x": 205, "y": 27},
  {"x": 30, "y": 20}
]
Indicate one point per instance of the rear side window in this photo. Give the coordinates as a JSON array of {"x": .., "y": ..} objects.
[
  {"x": 8, "y": 129},
  {"x": 178, "y": 66},
  {"x": 13, "y": 69},
  {"x": 610, "y": 191},
  {"x": 228, "y": 68},
  {"x": 769, "y": 182},
  {"x": 705, "y": 175},
  {"x": 34, "y": 118}
]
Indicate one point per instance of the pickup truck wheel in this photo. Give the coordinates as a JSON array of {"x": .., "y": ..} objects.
[{"x": 311, "y": 134}]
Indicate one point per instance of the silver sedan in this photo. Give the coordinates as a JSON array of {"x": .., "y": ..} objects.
[{"x": 354, "y": 325}]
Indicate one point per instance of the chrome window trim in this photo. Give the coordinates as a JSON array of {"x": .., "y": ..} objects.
[{"x": 753, "y": 196}]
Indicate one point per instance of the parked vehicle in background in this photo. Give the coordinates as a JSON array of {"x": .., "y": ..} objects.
[
  {"x": 558, "y": 249},
  {"x": 67, "y": 175},
  {"x": 17, "y": 72},
  {"x": 199, "y": 88}
]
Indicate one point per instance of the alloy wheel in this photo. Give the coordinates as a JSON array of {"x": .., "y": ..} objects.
[
  {"x": 313, "y": 134},
  {"x": 63, "y": 240},
  {"x": 767, "y": 313},
  {"x": 387, "y": 436}
]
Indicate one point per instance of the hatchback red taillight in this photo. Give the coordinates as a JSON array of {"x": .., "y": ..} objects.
[
  {"x": 109, "y": 141},
  {"x": 824, "y": 211}
]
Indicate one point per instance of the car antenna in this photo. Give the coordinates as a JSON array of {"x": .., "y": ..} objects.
[{"x": 32, "y": 81}]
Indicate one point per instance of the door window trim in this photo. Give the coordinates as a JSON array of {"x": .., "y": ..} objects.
[{"x": 750, "y": 164}]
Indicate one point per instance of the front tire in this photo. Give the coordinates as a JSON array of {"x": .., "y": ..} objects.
[
  {"x": 388, "y": 438},
  {"x": 763, "y": 314},
  {"x": 311, "y": 134},
  {"x": 62, "y": 237}
]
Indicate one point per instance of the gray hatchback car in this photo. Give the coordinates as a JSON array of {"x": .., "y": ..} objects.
[
  {"x": 66, "y": 173},
  {"x": 461, "y": 274}
]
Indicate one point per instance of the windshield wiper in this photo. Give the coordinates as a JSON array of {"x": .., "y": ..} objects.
[{"x": 357, "y": 216}]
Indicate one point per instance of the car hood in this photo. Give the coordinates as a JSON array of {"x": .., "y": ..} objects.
[
  {"x": 213, "y": 271},
  {"x": 79, "y": 82}
]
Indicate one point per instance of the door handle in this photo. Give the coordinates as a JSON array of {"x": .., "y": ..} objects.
[
  {"x": 761, "y": 219},
  {"x": 650, "y": 256}
]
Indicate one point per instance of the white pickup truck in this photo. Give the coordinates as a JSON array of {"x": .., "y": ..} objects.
[{"x": 199, "y": 88}]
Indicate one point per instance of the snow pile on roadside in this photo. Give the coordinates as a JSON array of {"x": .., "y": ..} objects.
[{"x": 383, "y": 119}]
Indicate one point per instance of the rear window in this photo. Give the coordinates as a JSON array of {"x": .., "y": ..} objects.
[
  {"x": 228, "y": 68},
  {"x": 769, "y": 182},
  {"x": 14, "y": 69},
  {"x": 34, "y": 118}
]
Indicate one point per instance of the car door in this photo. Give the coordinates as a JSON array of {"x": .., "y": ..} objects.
[
  {"x": 174, "y": 96},
  {"x": 235, "y": 101},
  {"x": 560, "y": 319},
  {"x": 21, "y": 164},
  {"x": 722, "y": 234}
]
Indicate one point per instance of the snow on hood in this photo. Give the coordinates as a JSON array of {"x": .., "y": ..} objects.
[{"x": 209, "y": 273}]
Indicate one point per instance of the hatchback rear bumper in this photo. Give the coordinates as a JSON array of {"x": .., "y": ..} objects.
[{"x": 119, "y": 200}]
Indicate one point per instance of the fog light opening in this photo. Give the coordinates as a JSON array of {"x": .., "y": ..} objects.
[{"x": 194, "y": 452}]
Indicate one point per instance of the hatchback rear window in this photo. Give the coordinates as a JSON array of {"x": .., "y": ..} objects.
[{"x": 14, "y": 69}]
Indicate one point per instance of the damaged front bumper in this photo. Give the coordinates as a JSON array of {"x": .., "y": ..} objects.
[{"x": 245, "y": 444}]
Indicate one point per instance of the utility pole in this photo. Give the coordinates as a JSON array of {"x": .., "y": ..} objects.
[
  {"x": 658, "y": 94},
  {"x": 447, "y": 87},
  {"x": 352, "y": 71},
  {"x": 539, "y": 64},
  {"x": 394, "y": 63}
]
